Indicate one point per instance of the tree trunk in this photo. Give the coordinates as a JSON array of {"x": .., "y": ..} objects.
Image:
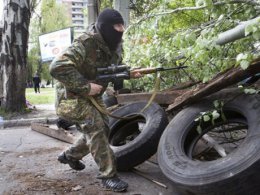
[
  {"x": 14, "y": 53},
  {"x": 123, "y": 7}
]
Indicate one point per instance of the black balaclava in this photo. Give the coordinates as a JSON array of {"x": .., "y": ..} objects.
[{"x": 106, "y": 19}]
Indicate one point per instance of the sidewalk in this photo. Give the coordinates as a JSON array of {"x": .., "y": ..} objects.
[{"x": 44, "y": 113}]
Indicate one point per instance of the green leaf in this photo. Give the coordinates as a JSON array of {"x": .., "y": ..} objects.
[
  {"x": 252, "y": 28},
  {"x": 200, "y": 3},
  {"x": 248, "y": 29},
  {"x": 199, "y": 129},
  {"x": 220, "y": 17},
  {"x": 216, "y": 104},
  {"x": 209, "y": 3},
  {"x": 223, "y": 117},
  {"x": 197, "y": 119},
  {"x": 206, "y": 118},
  {"x": 205, "y": 79},
  {"x": 215, "y": 115},
  {"x": 250, "y": 91},
  {"x": 244, "y": 64},
  {"x": 241, "y": 57},
  {"x": 256, "y": 35}
]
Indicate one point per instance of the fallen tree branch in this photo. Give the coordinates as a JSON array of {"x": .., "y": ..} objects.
[
  {"x": 221, "y": 81},
  {"x": 235, "y": 33}
]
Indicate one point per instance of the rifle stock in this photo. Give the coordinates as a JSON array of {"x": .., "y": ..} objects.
[
  {"x": 142, "y": 71},
  {"x": 152, "y": 70}
]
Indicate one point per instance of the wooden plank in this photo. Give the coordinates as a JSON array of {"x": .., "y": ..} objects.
[
  {"x": 59, "y": 134},
  {"x": 163, "y": 98}
]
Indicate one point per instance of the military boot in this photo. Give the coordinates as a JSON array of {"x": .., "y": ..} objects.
[
  {"x": 115, "y": 184},
  {"x": 74, "y": 164}
]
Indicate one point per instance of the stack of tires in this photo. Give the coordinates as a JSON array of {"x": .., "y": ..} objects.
[{"x": 222, "y": 156}]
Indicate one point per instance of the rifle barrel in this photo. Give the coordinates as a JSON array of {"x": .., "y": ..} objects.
[{"x": 172, "y": 68}]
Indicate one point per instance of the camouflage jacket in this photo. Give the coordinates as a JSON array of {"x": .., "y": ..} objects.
[{"x": 76, "y": 67}]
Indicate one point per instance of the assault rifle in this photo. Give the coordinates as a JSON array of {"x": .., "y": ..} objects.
[
  {"x": 117, "y": 73},
  {"x": 114, "y": 72}
]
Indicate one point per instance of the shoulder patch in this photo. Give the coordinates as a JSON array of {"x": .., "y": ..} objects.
[{"x": 84, "y": 37}]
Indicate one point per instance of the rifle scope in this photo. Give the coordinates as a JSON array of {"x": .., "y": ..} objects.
[{"x": 113, "y": 69}]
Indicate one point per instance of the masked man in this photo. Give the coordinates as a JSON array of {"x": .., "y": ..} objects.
[{"x": 75, "y": 69}]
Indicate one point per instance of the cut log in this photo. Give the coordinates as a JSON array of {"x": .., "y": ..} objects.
[
  {"x": 59, "y": 134},
  {"x": 221, "y": 81}
]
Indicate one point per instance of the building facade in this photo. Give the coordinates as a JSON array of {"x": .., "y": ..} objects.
[{"x": 76, "y": 10}]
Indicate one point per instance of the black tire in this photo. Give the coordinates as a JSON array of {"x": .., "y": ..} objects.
[
  {"x": 131, "y": 143},
  {"x": 238, "y": 173}
]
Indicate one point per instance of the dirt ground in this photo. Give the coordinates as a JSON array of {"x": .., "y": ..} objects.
[{"x": 28, "y": 165}]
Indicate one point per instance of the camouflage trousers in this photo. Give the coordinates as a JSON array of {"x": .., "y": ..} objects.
[{"x": 94, "y": 128}]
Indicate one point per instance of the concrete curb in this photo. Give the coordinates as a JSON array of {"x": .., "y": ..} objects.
[{"x": 27, "y": 122}]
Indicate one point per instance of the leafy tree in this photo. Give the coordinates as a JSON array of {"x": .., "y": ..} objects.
[
  {"x": 105, "y": 3},
  {"x": 178, "y": 32},
  {"x": 53, "y": 17}
]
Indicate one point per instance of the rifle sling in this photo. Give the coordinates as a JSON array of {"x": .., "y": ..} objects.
[
  {"x": 104, "y": 111},
  {"x": 155, "y": 90}
]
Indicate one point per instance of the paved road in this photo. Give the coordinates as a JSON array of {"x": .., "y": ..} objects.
[{"x": 28, "y": 165}]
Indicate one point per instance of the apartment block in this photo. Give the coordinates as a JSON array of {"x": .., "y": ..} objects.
[{"x": 76, "y": 9}]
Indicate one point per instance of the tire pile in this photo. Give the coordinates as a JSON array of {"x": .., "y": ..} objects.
[{"x": 220, "y": 157}]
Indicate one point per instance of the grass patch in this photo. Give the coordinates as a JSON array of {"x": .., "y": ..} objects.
[{"x": 47, "y": 96}]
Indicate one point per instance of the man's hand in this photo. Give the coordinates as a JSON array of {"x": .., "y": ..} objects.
[
  {"x": 135, "y": 74},
  {"x": 95, "y": 89}
]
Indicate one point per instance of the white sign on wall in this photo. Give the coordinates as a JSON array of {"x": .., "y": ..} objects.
[{"x": 52, "y": 44}]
